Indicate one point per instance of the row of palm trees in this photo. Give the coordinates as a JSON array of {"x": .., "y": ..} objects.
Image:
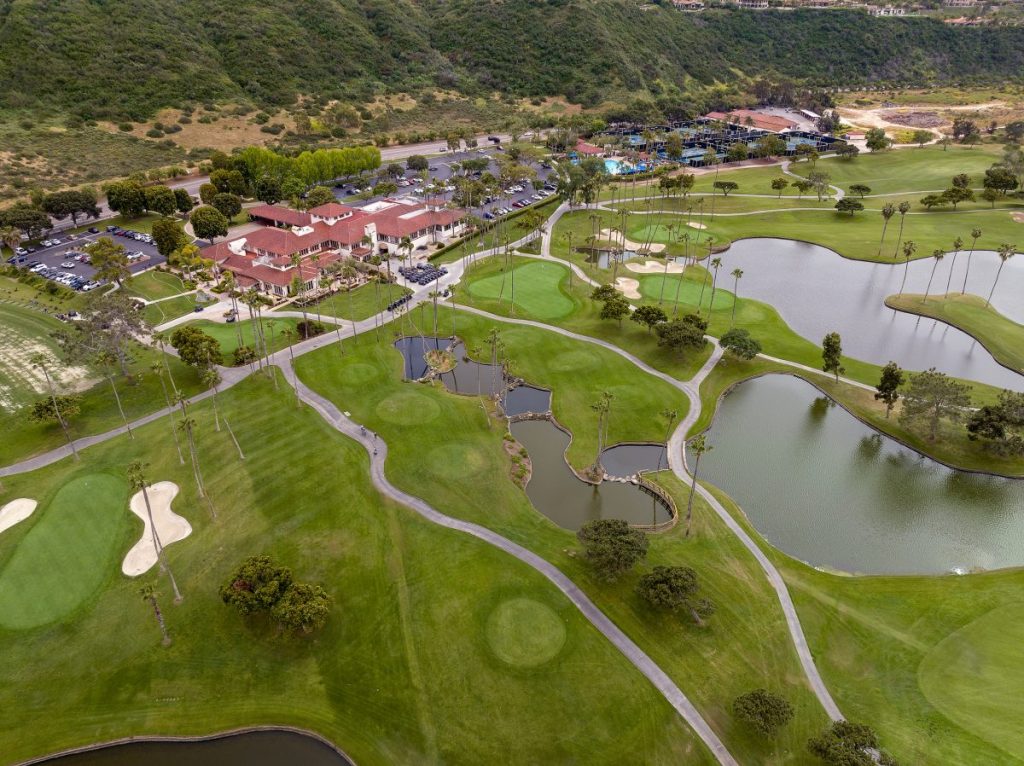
[{"x": 1005, "y": 251}]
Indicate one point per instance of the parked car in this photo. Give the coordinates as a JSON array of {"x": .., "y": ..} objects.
[
  {"x": 93, "y": 230},
  {"x": 68, "y": 265}
]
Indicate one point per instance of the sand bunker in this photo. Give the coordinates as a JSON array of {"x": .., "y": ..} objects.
[
  {"x": 616, "y": 237},
  {"x": 695, "y": 225},
  {"x": 1018, "y": 217},
  {"x": 170, "y": 527},
  {"x": 15, "y": 511},
  {"x": 653, "y": 267},
  {"x": 628, "y": 287}
]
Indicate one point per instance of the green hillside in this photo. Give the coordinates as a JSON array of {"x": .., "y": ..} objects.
[{"x": 127, "y": 58}]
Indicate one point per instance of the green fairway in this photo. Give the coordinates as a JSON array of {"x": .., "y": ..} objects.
[
  {"x": 538, "y": 291},
  {"x": 172, "y": 308},
  {"x": 1003, "y": 337},
  {"x": 275, "y": 331},
  {"x": 69, "y": 552},
  {"x": 690, "y": 293},
  {"x": 359, "y": 303},
  {"x": 153, "y": 285},
  {"x": 404, "y": 671},
  {"x": 974, "y": 676}
]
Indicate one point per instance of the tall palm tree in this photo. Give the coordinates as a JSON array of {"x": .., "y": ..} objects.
[
  {"x": 158, "y": 341},
  {"x": 157, "y": 369},
  {"x": 736, "y": 274},
  {"x": 937, "y": 254},
  {"x": 975, "y": 233},
  {"x": 1006, "y": 252},
  {"x": 148, "y": 594},
  {"x": 602, "y": 407},
  {"x": 698, "y": 446},
  {"x": 957, "y": 247},
  {"x": 908, "y": 250},
  {"x": 137, "y": 479},
  {"x": 300, "y": 290},
  {"x": 405, "y": 244},
  {"x": 10, "y": 236},
  {"x": 903, "y": 208},
  {"x": 43, "y": 363},
  {"x": 716, "y": 264},
  {"x": 107, "y": 362},
  {"x": 187, "y": 425},
  {"x": 291, "y": 336},
  {"x": 888, "y": 211}
]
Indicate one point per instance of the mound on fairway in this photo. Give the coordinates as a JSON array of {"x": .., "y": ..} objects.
[
  {"x": 170, "y": 527},
  {"x": 536, "y": 292},
  {"x": 67, "y": 555},
  {"x": 524, "y": 633},
  {"x": 975, "y": 676},
  {"x": 16, "y": 511}
]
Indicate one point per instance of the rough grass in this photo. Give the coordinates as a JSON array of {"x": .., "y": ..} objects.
[
  {"x": 359, "y": 303},
  {"x": 402, "y": 673},
  {"x": 275, "y": 331},
  {"x": 154, "y": 285}
]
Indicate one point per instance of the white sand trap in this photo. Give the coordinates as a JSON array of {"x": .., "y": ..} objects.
[
  {"x": 652, "y": 267},
  {"x": 170, "y": 527},
  {"x": 628, "y": 287},
  {"x": 614, "y": 236},
  {"x": 15, "y": 511},
  {"x": 695, "y": 225}
]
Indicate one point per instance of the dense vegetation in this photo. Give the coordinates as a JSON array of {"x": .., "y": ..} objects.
[{"x": 126, "y": 58}]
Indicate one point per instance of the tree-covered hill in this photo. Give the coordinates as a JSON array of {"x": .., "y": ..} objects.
[{"x": 126, "y": 58}]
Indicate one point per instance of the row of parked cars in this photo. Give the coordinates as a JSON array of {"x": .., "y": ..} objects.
[
  {"x": 138, "y": 236},
  {"x": 66, "y": 278},
  {"x": 422, "y": 273}
]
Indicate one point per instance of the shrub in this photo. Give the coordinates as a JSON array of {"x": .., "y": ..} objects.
[
  {"x": 612, "y": 546},
  {"x": 309, "y": 328},
  {"x": 125, "y": 127},
  {"x": 244, "y": 355},
  {"x": 256, "y": 585},
  {"x": 762, "y": 711}
]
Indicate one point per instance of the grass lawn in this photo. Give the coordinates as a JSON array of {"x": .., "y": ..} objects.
[
  {"x": 172, "y": 308},
  {"x": 153, "y": 285},
  {"x": 227, "y": 334},
  {"x": 538, "y": 294},
  {"x": 1002, "y": 337},
  {"x": 359, "y": 303},
  {"x": 403, "y": 672},
  {"x": 444, "y": 448},
  {"x": 62, "y": 560}
]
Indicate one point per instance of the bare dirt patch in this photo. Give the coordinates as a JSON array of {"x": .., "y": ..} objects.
[
  {"x": 915, "y": 119},
  {"x": 225, "y": 133},
  {"x": 21, "y": 381}
]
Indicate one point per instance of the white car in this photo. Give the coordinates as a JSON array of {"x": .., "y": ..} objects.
[{"x": 68, "y": 265}]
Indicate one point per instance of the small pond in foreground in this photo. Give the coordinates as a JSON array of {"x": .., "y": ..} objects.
[
  {"x": 258, "y": 748},
  {"x": 825, "y": 488}
]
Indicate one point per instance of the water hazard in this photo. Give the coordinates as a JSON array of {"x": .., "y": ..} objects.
[
  {"x": 817, "y": 291},
  {"x": 625, "y": 460},
  {"x": 261, "y": 748},
  {"x": 825, "y": 488}
]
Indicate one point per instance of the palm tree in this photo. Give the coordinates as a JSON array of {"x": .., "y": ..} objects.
[
  {"x": 908, "y": 250},
  {"x": 888, "y": 211},
  {"x": 736, "y": 274},
  {"x": 975, "y": 233},
  {"x": 1006, "y": 252},
  {"x": 107, "y": 361},
  {"x": 148, "y": 593},
  {"x": 406, "y": 244},
  {"x": 289, "y": 334},
  {"x": 602, "y": 407},
  {"x": 670, "y": 416},
  {"x": 937, "y": 255},
  {"x": 42, "y": 362},
  {"x": 957, "y": 246},
  {"x": 157, "y": 369},
  {"x": 716, "y": 264},
  {"x": 187, "y": 425},
  {"x": 698, "y": 446},
  {"x": 347, "y": 272},
  {"x": 137, "y": 479},
  {"x": 158, "y": 341},
  {"x": 299, "y": 285},
  {"x": 10, "y": 236},
  {"x": 903, "y": 208}
]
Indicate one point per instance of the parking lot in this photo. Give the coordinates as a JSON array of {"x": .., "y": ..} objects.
[
  {"x": 62, "y": 258},
  {"x": 440, "y": 171}
]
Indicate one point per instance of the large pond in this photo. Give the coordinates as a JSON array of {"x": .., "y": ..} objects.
[
  {"x": 825, "y": 488},
  {"x": 261, "y": 748},
  {"x": 624, "y": 460},
  {"x": 817, "y": 291},
  {"x": 556, "y": 492}
]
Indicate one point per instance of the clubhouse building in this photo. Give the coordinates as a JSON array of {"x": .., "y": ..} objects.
[{"x": 293, "y": 243}]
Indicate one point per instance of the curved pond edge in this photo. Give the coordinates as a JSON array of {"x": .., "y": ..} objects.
[
  {"x": 955, "y": 326},
  {"x": 226, "y": 734},
  {"x": 641, "y": 483},
  {"x": 899, "y": 440}
]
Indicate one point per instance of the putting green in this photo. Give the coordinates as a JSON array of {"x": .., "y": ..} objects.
[
  {"x": 975, "y": 676},
  {"x": 407, "y": 408},
  {"x": 537, "y": 290},
  {"x": 525, "y": 633},
  {"x": 689, "y": 293},
  {"x": 71, "y": 551}
]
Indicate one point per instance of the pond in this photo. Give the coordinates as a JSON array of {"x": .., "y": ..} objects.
[
  {"x": 468, "y": 377},
  {"x": 605, "y": 259},
  {"x": 260, "y": 748},
  {"x": 817, "y": 291},
  {"x": 523, "y": 399},
  {"x": 825, "y": 488},
  {"x": 625, "y": 460},
  {"x": 556, "y": 492}
]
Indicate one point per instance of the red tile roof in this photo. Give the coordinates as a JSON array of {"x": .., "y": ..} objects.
[
  {"x": 331, "y": 210},
  {"x": 280, "y": 214},
  {"x": 582, "y": 147},
  {"x": 402, "y": 220}
]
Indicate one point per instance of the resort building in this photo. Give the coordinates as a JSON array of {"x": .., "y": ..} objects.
[
  {"x": 688, "y": 5},
  {"x": 752, "y": 4},
  {"x": 754, "y": 119},
  {"x": 300, "y": 244},
  {"x": 887, "y": 10},
  {"x": 960, "y": 3}
]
